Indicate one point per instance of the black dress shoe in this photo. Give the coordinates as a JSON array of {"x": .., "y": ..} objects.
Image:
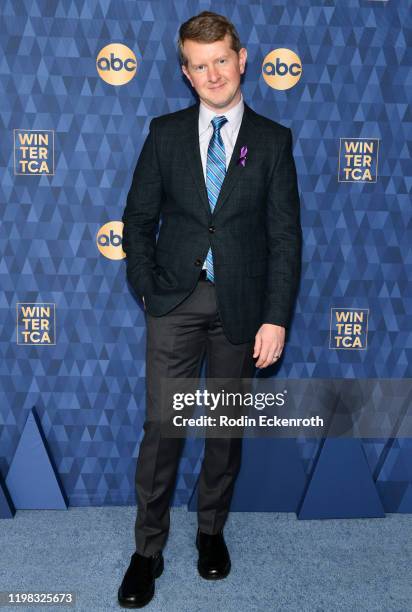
[
  {"x": 138, "y": 585},
  {"x": 214, "y": 561}
]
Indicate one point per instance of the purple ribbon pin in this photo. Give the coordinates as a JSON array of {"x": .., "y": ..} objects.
[{"x": 242, "y": 157}]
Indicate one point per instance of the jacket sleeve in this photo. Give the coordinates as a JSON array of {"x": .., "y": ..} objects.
[
  {"x": 284, "y": 239},
  {"x": 141, "y": 215}
]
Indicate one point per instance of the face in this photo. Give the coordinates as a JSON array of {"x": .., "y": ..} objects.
[{"x": 214, "y": 70}]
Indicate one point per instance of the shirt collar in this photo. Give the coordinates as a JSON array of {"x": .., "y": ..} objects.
[{"x": 233, "y": 115}]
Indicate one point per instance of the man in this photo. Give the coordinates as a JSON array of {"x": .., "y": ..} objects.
[{"x": 220, "y": 280}]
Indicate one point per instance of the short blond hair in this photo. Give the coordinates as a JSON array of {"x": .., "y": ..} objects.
[{"x": 207, "y": 27}]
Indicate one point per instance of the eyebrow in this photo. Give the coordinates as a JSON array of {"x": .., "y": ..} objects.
[{"x": 224, "y": 56}]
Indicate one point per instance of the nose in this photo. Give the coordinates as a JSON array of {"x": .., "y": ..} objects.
[{"x": 213, "y": 74}]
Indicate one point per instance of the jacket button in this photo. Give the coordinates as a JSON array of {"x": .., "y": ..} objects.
[
  {"x": 211, "y": 229},
  {"x": 198, "y": 262}
]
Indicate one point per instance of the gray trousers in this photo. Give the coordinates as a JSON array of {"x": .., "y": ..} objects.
[{"x": 176, "y": 345}]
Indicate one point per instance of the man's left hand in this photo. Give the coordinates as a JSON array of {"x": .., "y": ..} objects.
[{"x": 269, "y": 343}]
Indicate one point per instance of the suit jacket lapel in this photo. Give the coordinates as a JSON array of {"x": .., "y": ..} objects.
[
  {"x": 191, "y": 149},
  {"x": 246, "y": 135}
]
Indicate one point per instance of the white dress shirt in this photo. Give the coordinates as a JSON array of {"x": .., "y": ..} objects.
[{"x": 228, "y": 131}]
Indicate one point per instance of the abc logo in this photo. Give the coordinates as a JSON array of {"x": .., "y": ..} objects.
[
  {"x": 281, "y": 69},
  {"x": 116, "y": 64},
  {"x": 109, "y": 240}
]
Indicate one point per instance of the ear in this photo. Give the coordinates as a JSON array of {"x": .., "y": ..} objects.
[
  {"x": 186, "y": 73},
  {"x": 242, "y": 59}
]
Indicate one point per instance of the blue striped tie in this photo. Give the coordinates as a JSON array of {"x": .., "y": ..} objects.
[{"x": 215, "y": 173}]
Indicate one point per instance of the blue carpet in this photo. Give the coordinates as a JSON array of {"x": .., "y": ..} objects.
[{"x": 278, "y": 562}]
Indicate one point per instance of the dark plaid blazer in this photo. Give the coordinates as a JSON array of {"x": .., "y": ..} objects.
[{"x": 254, "y": 231}]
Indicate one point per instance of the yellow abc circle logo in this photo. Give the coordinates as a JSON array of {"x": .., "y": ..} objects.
[
  {"x": 116, "y": 64},
  {"x": 281, "y": 69},
  {"x": 109, "y": 240}
]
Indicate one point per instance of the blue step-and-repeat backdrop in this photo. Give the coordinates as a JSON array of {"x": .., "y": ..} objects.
[{"x": 79, "y": 84}]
